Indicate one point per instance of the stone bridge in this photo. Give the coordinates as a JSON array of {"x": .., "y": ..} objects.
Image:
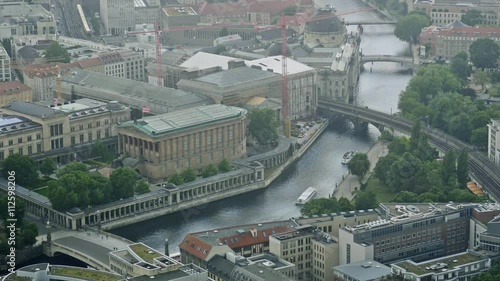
[
  {"x": 89, "y": 246},
  {"x": 367, "y": 22},
  {"x": 485, "y": 172},
  {"x": 386, "y": 58}
]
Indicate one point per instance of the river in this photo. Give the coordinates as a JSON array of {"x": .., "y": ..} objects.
[{"x": 319, "y": 167}]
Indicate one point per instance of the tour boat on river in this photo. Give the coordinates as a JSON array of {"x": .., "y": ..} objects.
[
  {"x": 348, "y": 156},
  {"x": 306, "y": 196}
]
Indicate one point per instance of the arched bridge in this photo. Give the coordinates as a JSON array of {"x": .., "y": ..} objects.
[
  {"x": 366, "y": 22},
  {"x": 386, "y": 58},
  {"x": 89, "y": 246},
  {"x": 480, "y": 167}
]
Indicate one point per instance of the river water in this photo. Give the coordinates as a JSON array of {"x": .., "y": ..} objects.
[{"x": 319, "y": 167}]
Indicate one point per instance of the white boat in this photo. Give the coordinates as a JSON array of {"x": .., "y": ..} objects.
[
  {"x": 348, "y": 156},
  {"x": 306, "y": 196}
]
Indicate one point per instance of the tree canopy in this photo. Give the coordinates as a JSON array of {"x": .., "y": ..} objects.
[
  {"x": 224, "y": 166},
  {"x": 408, "y": 28},
  {"x": 460, "y": 67},
  {"x": 142, "y": 187},
  {"x": 123, "y": 181},
  {"x": 48, "y": 167},
  {"x": 326, "y": 206},
  {"x": 24, "y": 167},
  {"x": 359, "y": 165},
  {"x": 263, "y": 125},
  {"x": 210, "y": 170},
  {"x": 472, "y": 17},
  {"x": 56, "y": 53},
  {"x": 484, "y": 53},
  {"x": 26, "y": 232}
]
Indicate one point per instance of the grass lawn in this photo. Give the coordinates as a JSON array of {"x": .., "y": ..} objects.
[
  {"x": 381, "y": 191},
  {"x": 43, "y": 191},
  {"x": 40, "y": 182},
  {"x": 144, "y": 252},
  {"x": 85, "y": 274}
]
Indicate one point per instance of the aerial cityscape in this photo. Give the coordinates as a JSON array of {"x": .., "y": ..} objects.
[{"x": 250, "y": 140}]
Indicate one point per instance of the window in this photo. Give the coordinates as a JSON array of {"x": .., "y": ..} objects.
[
  {"x": 20, "y": 140},
  {"x": 219, "y": 136},
  {"x": 11, "y": 142},
  {"x": 89, "y": 125},
  {"x": 98, "y": 123},
  {"x": 1, "y": 143},
  {"x": 81, "y": 138},
  {"x": 73, "y": 140},
  {"x": 20, "y": 151},
  {"x": 106, "y": 122},
  {"x": 56, "y": 143},
  {"x": 230, "y": 133},
  {"x": 2, "y": 155},
  {"x": 186, "y": 144},
  {"x": 30, "y": 150},
  {"x": 38, "y": 147},
  {"x": 209, "y": 139},
  {"x": 72, "y": 129},
  {"x": 106, "y": 133},
  {"x": 80, "y": 127},
  {"x": 90, "y": 136},
  {"x": 56, "y": 130},
  {"x": 99, "y": 134},
  {"x": 11, "y": 152},
  {"x": 29, "y": 138},
  {"x": 197, "y": 141}
]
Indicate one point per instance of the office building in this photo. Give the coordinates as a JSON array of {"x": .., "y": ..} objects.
[
  {"x": 21, "y": 18},
  {"x": 494, "y": 141},
  {"x": 192, "y": 138},
  {"x": 462, "y": 266},
  {"x": 179, "y": 16},
  {"x": 5, "y": 71},
  {"x": 14, "y": 91},
  {"x": 64, "y": 132},
  {"x": 121, "y": 16},
  {"x": 124, "y": 63}
]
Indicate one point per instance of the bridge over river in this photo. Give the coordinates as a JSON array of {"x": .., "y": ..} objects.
[
  {"x": 386, "y": 58},
  {"x": 370, "y": 22},
  {"x": 485, "y": 172}
]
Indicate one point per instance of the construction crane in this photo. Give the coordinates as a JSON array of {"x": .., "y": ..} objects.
[
  {"x": 157, "y": 32},
  {"x": 284, "y": 79}
]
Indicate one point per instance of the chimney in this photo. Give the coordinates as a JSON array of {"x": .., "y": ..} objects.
[{"x": 235, "y": 64}]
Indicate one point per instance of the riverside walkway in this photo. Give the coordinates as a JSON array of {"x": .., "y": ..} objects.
[{"x": 351, "y": 182}]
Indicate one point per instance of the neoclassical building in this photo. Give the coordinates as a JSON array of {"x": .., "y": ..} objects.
[{"x": 162, "y": 145}]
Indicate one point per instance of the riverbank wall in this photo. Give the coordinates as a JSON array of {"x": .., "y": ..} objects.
[{"x": 385, "y": 14}]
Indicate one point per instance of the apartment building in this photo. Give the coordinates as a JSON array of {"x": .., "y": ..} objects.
[
  {"x": 123, "y": 63},
  {"x": 494, "y": 141},
  {"x": 192, "y": 138},
  {"x": 42, "y": 79},
  {"x": 61, "y": 131},
  {"x": 447, "y": 42},
  {"x": 121, "y": 16},
  {"x": 5, "y": 71},
  {"x": 14, "y": 91},
  {"x": 245, "y": 240},
  {"x": 21, "y": 18},
  {"x": 445, "y": 12}
]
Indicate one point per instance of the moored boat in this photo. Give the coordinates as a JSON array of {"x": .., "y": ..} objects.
[{"x": 306, "y": 196}]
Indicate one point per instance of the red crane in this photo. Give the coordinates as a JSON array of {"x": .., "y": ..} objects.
[{"x": 157, "y": 32}]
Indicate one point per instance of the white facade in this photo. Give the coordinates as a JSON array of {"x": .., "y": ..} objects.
[
  {"x": 350, "y": 251},
  {"x": 5, "y": 71},
  {"x": 494, "y": 141},
  {"x": 120, "y": 16}
]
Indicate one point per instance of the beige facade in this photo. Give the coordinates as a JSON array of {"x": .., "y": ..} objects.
[
  {"x": 192, "y": 138},
  {"x": 42, "y": 79},
  {"x": 14, "y": 91},
  {"x": 60, "y": 131},
  {"x": 5, "y": 71},
  {"x": 124, "y": 63}
]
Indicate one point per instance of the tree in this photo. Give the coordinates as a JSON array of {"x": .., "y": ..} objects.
[
  {"x": 56, "y": 53},
  {"x": 481, "y": 78},
  {"x": 472, "y": 18},
  {"x": 142, "y": 187},
  {"x": 359, "y": 165},
  {"x": 72, "y": 167},
  {"x": 460, "y": 67},
  {"x": 365, "y": 200},
  {"x": 210, "y": 170},
  {"x": 416, "y": 132},
  {"x": 326, "y": 206},
  {"x": 463, "y": 168},
  {"x": 48, "y": 167},
  {"x": 406, "y": 197},
  {"x": 405, "y": 174},
  {"x": 123, "y": 181},
  {"x": 290, "y": 10},
  {"x": 449, "y": 166},
  {"x": 484, "y": 53},
  {"x": 223, "y": 32},
  {"x": 100, "y": 150},
  {"x": 24, "y": 168},
  {"x": 263, "y": 125},
  {"x": 408, "y": 28},
  {"x": 479, "y": 137},
  {"x": 462, "y": 55},
  {"x": 460, "y": 127},
  {"x": 219, "y": 49},
  {"x": 188, "y": 175},
  {"x": 224, "y": 166},
  {"x": 383, "y": 166},
  {"x": 176, "y": 179}
]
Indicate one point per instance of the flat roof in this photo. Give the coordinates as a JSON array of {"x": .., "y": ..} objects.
[
  {"x": 32, "y": 109},
  {"x": 437, "y": 265},
  {"x": 275, "y": 63},
  {"x": 235, "y": 76},
  {"x": 203, "y": 60},
  {"x": 184, "y": 119},
  {"x": 364, "y": 270},
  {"x": 179, "y": 11}
]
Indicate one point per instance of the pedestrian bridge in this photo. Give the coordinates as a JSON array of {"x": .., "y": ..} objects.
[
  {"x": 485, "y": 172},
  {"x": 386, "y": 58},
  {"x": 365, "y": 22},
  {"x": 89, "y": 246}
]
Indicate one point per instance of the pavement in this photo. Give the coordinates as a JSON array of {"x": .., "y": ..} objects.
[{"x": 351, "y": 183}]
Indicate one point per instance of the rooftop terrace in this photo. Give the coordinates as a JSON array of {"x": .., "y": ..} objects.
[
  {"x": 441, "y": 264},
  {"x": 144, "y": 252},
  {"x": 85, "y": 274}
]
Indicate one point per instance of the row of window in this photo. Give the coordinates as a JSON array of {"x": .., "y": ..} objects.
[
  {"x": 20, "y": 140},
  {"x": 20, "y": 151},
  {"x": 90, "y": 125}
]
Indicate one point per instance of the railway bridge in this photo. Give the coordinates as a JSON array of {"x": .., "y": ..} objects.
[{"x": 485, "y": 172}]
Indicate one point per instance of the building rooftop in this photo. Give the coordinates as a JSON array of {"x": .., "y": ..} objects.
[
  {"x": 146, "y": 253},
  {"x": 185, "y": 119},
  {"x": 10, "y": 124},
  {"x": 364, "y": 270},
  {"x": 13, "y": 87},
  {"x": 235, "y": 76},
  {"x": 441, "y": 264},
  {"x": 84, "y": 273},
  {"x": 341, "y": 62},
  {"x": 275, "y": 64},
  {"x": 179, "y": 11},
  {"x": 130, "y": 92},
  {"x": 203, "y": 60},
  {"x": 33, "y": 109}
]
